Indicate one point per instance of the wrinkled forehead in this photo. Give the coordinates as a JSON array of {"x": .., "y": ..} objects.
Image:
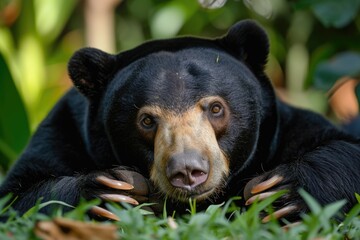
[{"x": 177, "y": 80}]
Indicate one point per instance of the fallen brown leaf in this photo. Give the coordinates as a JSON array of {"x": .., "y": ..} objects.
[{"x": 61, "y": 229}]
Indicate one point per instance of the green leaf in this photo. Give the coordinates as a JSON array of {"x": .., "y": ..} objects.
[
  {"x": 14, "y": 126},
  {"x": 143, "y": 211},
  {"x": 343, "y": 64},
  {"x": 80, "y": 212},
  {"x": 51, "y": 17},
  {"x": 331, "y": 209},
  {"x": 37, "y": 207},
  {"x": 213, "y": 208},
  {"x": 352, "y": 214},
  {"x": 331, "y": 13},
  {"x": 336, "y": 13},
  {"x": 192, "y": 205},
  {"x": 314, "y": 206},
  {"x": 357, "y": 197},
  {"x": 4, "y": 203}
]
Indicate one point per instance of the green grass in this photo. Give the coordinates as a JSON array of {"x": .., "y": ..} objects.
[{"x": 225, "y": 221}]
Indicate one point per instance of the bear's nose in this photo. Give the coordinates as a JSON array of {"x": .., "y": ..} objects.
[{"x": 187, "y": 170}]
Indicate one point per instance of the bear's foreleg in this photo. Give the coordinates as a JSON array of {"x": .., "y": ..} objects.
[{"x": 329, "y": 173}]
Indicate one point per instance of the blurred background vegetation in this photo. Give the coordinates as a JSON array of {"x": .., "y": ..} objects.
[{"x": 313, "y": 44}]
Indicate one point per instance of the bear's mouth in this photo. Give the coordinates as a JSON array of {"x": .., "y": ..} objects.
[
  {"x": 198, "y": 194},
  {"x": 201, "y": 195}
]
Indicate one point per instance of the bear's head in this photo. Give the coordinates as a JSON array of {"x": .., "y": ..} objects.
[{"x": 187, "y": 112}]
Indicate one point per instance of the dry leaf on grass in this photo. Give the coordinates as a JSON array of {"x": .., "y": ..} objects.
[{"x": 61, "y": 229}]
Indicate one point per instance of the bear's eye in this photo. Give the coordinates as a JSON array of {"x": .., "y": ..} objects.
[
  {"x": 216, "y": 109},
  {"x": 147, "y": 122}
]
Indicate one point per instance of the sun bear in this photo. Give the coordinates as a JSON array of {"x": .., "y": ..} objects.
[{"x": 183, "y": 118}]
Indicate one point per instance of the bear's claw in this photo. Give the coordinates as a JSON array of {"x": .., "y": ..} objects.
[
  {"x": 259, "y": 197},
  {"x": 99, "y": 211},
  {"x": 116, "y": 184},
  {"x": 118, "y": 198},
  {"x": 255, "y": 190},
  {"x": 266, "y": 184},
  {"x": 282, "y": 212},
  {"x": 120, "y": 185},
  {"x": 290, "y": 225}
]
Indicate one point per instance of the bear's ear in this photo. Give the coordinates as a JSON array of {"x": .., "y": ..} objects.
[
  {"x": 90, "y": 70},
  {"x": 248, "y": 42}
]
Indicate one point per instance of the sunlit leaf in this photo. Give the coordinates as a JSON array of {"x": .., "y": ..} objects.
[
  {"x": 51, "y": 16},
  {"x": 33, "y": 74},
  {"x": 167, "y": 22},
  {"x": 14, "y": 127},
  {"x": 261, "y": 7}
]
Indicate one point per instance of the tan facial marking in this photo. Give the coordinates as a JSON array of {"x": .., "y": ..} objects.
[{"x": 193, "y": 129}]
